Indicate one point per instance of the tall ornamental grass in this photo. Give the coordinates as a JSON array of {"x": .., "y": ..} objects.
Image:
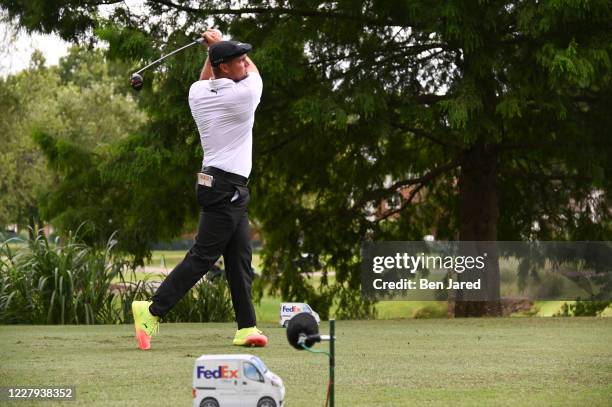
[
  {"x": 65, "y": 282},
  {"x": 207, "y": 301},
  {"x": 69, "y": 282}
]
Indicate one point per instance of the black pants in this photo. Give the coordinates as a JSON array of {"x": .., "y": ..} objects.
[{"x": 223, "y": 231}]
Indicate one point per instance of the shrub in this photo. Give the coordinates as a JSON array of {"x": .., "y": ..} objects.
[
  {"x": 589, "y": 308},
  {"x": 64, "y": 283},
  {"x": 583, "y": 308},
  {"x": 207, "y": 301},
  {"x": 68, "y": 282}
]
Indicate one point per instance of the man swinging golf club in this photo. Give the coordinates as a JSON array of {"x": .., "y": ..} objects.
[{"x": 223, "y": 104}]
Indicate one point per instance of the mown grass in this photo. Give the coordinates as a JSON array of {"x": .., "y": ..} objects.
[{"x": 468, "y": 362}]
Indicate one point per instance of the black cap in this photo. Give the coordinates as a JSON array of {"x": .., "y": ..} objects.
[{"x": 223, "y": 51}]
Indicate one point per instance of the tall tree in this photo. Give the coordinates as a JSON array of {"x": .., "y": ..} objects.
[
  {"x": 483, "y": 120},
  {"x": 26, "y": 102},
  {"x": 79, "y": 104}
]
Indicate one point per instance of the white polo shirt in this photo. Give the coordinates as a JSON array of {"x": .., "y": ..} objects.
[{"x": 224, "y": 112}]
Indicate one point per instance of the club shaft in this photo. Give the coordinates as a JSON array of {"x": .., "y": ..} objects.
[{"x": 198, "y": 41}]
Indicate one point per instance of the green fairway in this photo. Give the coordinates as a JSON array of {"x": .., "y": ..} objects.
[
  {"x": 168, "y": 259},
  {"x": 473, "y": 362}
]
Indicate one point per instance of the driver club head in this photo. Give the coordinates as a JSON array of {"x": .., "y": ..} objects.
[{"x": 136, "y": 81}]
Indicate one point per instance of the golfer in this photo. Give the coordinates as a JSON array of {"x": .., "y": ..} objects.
[{"x": 223, "y": 104}]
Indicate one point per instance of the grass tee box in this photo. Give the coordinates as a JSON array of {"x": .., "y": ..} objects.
[{"x": 460, "y": 362}]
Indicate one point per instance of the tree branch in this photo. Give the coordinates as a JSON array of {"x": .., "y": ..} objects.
[
  {"x": 270, "y": 10},
  {"x": 390, "y": 59},
  {"x": 399, "y": 51},
  {"x": 548, "y": 177},
  {"x": 443, "y": 143},
  {"x": 431, "y": 175},
  {"x": 427, "y": 177},
  {"x": 108, "y": 2},
  {"x": 430, "y": 99},
  {"x": 403, "y": 205},
  {"x": 423, "y": 134}
]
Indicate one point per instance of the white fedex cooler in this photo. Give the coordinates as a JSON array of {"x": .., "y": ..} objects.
[{"x": 289, "y": 309}]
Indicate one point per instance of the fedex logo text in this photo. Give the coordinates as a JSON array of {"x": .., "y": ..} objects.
[
  {"x": 222, "y": 372},
  {"x": 293, "y": 308}
]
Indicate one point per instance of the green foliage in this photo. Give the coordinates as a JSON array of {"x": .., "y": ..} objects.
[
  {"x": 125, "y": 42},
  {"x": 79, "y": 103},
  {"x": 583, "y": 308},
  {"x": 351, "y": 305},
  {"x": 65, "y": 282},
  {"x": 207, "y": 301},
  {"x": 589, "y": 308},
  {"x": 71, "y": 18},
  {"x": 360, "y": 98},
  {"x": 69, "y": 282},
  {"x": 23, "y": 172}
]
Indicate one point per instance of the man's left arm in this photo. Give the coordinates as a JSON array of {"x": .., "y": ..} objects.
[{"x": 251, "y": 66}]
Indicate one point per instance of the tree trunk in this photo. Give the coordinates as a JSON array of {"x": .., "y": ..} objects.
[{"x": 479, "y": 214}]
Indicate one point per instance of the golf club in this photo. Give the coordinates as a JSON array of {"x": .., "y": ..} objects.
[{"x": 137, "y": 81}]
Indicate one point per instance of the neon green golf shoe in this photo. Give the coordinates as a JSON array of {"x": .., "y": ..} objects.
[
  {"x": 145, "y": 323},
  {"x": 250, "y": 337}
]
